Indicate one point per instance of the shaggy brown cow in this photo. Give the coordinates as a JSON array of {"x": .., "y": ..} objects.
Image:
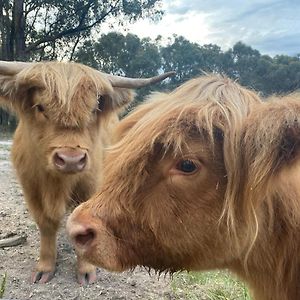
[
  {"x": 66, "y": 113},
  {"x": 205, "y": 177}
]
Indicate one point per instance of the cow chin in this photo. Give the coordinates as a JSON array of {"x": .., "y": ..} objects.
[{"x": 102, "y": 253}]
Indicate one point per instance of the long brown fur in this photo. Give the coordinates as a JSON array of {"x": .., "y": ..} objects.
[
  {"x": 145, "y": 216},
  {"x": 59, "y": 106},
  {"x": 266, "y": 197},
  {"x": 241, "y": 209}
]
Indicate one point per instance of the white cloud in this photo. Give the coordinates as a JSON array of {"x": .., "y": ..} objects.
[
  {"x": 271, "y": 26},
  {"x": 192, "y": 26}
]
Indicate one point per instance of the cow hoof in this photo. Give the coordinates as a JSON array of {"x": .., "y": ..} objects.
[
  {"x": 87, "y": 278},
  {"x": 41, "y": 277}
]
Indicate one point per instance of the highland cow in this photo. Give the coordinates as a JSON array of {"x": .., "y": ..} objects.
[
  {"x": 206, "y": 177},
  {"x": 66, "y": 112}
]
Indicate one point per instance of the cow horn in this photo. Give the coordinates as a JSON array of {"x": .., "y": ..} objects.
[
  {"x": 126, "y": 82},
  {"x": 12, "y": 67}
]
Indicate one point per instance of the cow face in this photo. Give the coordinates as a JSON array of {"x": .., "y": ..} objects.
[
  {"x": 65, "y": 111},
  {"x": 140, "y": 208},
  {"x": 164, "y": 193}
]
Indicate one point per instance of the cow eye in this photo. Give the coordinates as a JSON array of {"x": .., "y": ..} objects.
[
  {"x": 40, "y": 108},
  {"x": 101, "y": 103},
  {"x": 186, "y": 166}
]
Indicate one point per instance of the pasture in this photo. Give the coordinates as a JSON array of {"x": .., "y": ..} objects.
[
  {"x": 17, "y": 262},
  {"x": 217, "y": 285}
]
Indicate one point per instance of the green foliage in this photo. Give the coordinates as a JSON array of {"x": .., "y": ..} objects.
[
  {"x": 183, "y": 57},
  {"x": 47, "y": 29},
  {"x": 131, "y": 56},
  {"x": 122, "y": 55},
  {"x": 2, "y": 285},
  {"x": 209, "y": 286}
]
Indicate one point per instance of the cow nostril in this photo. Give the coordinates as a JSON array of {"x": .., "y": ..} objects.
[
  {"x": 83, "y": 239},
  {"x": 59, "y": 161},
  {"x": 70, "y": 161},
  {"x": 83, "y": 160}
]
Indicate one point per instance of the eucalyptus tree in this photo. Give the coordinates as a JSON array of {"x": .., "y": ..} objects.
[{"x": 46, "y": 29}]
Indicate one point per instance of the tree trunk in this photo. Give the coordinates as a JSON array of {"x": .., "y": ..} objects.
[
  {"x": 5, "y": 30},
  {"x": 19, "y": 30}
]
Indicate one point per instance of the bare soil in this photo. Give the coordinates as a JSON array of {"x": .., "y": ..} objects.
[{"x": 18, "y": 261}]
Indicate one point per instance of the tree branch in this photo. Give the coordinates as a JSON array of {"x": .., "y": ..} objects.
[
  {"x": 31, "y": 26},
  {"x": 78, "y": 29},
  {"x": 74, "y": 47}
]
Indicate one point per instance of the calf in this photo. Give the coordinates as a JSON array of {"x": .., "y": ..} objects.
[
  {"x": 66, "y": 112},
  {"x": 202, "y": 179},
  {"x": 173, "y": 195}
]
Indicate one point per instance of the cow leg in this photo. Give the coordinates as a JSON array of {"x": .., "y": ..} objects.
[
  {"x": 86, "y": 272},
  {"x": 45, "y": 268},
  {"x": 47, "y": 212}
]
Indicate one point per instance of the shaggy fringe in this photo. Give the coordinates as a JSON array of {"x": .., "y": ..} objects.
[
  {"x": 201, "y": 106},
  {"x": 55, "y": 77},
  {"x": 69, "y": 91}
]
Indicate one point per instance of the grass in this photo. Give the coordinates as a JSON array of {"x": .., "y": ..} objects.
[
  {"x": 217, "y": 285},
  {"x": 2, "y": 285}
]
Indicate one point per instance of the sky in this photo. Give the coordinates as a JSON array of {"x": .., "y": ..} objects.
[{"x": 270, "y": 26}]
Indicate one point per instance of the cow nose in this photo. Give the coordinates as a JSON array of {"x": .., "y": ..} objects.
[
  {"x": 70, "y": 161},
  {"x": 82, "y": 236}
]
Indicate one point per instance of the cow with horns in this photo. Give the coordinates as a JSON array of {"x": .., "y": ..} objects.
[
  {"x": 66, "y": 113},
  {"x": 206, "y": 177}
]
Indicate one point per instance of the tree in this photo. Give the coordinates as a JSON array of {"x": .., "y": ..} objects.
[
  {"x": 211, "y": 58},
  {"x": 285, "y": 74},
  {"x": 245, "y": 61},
  {"x": 121, "y": 54},
  {"x": 278, "y": 75},
  {"x": 46, "y": 29},
  {"x": 126, "y": 55},
  {"x": 183, "y": 57}
]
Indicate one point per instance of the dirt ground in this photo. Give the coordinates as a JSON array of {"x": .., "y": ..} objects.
[{"x": 18, "y": 261}]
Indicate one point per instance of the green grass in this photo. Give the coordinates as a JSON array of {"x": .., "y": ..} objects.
[
  {"x": 2, "y": 285},
  {"x": 217, "y": 285}
]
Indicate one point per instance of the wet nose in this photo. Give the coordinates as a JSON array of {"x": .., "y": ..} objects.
[
  {"x": 70, "y": 161},
  {"x": 81, "y": 235}
]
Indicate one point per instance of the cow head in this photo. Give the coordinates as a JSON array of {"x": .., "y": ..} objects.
[
  {"x": 166, "y": 182},
  {"x": 65, "y": 110}
]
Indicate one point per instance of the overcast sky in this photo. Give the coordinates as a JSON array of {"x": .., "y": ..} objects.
[{"x": 270, "y": 26}]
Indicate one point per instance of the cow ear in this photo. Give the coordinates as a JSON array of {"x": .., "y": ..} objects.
[
  {"x": 8, "y": 91},
  {"x": 13, "y": 87},
  {"x": 290, "y": 143},
  {"x": 15, "y": 91},
  {"x": 272, "y": 134},
  {"x": 116, "y": 100}
]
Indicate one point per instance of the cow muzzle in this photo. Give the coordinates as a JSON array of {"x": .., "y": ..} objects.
[
  {"x": 92, "y": 241},
  {"x": 70, "y": 160}
]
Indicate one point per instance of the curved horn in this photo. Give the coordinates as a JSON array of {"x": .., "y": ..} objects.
[
  {"x": 133, "y": 83},
  {"x": 12, "y": 67}
]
